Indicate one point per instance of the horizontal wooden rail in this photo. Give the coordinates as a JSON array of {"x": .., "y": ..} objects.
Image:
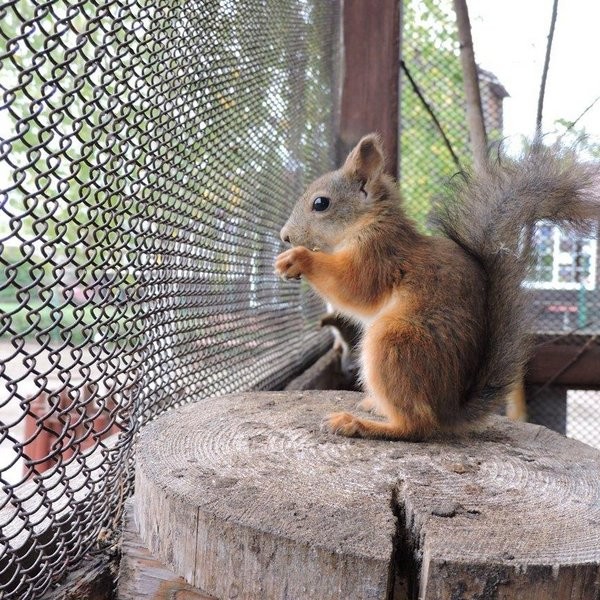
[{"x": 576, "y": 364}]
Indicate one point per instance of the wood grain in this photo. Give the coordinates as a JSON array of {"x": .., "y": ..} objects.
[
  {"x": 245, "y": 497},
  {"x": 142, "y": 577},
  {"x": 370, "y": 87}
]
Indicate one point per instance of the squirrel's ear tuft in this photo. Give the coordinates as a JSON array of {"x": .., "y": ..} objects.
[{"x": 366, "y": 160}]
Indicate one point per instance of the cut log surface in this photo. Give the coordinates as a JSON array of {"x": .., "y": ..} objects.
[{"x": 245, "y": 497}]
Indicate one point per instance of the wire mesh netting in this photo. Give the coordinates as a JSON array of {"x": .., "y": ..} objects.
[
  {"x": 149, "y": 154},
  {"x": 434, "y": 145}
]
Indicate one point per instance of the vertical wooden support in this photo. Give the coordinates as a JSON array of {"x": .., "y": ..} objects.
[
  {"x": 549, "y": 410},
  {"x": 371, "y": 63}
]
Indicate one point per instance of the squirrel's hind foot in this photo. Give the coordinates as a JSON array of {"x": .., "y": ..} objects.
[
  {"x": 349, "y": 425},
  {"x": 342, "y": 423}
]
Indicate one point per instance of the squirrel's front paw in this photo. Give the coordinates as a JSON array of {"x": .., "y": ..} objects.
[{"x": 293, "y": 263}]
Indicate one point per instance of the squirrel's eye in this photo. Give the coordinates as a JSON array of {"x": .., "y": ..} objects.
[{"x": 320, "y": 204}]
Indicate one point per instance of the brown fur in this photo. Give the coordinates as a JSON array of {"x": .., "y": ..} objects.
[{"x": 424, "y": 301}]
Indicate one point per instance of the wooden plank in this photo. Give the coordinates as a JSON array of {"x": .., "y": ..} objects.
[
  {"x": 371, "y": 50},
  {"x": 142, "y": 577},
  {"x": 285, "y": 510},
  {"x": 93, "y": 580},
  {"x": 575, "y": 365},
  {"x": 325, "y": 374}
]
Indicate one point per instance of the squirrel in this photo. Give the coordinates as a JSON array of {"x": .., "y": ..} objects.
[
  {"x": 346, "y": 341},
  {"x": 444, "y": 317}
]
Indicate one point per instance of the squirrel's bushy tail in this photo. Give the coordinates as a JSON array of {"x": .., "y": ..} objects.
[{"x": 491, "y": 215}]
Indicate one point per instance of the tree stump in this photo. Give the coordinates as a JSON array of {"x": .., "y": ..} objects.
[{"x": 245, "y": 497}]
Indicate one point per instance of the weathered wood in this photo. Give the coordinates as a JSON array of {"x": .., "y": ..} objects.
[
  {"x": 142, "y": 577},
  {"x": 369, "y": 101},
  {"x": 325, "y": 374},
  {"x": 246, "y": 497},
  {"x": 94, "y": 579}
]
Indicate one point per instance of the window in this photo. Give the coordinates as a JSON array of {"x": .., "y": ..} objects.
[{"x": 564, "y": 261}]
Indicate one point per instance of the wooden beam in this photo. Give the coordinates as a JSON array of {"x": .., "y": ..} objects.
[
  {"x": 577, "y": 366},
  {"x": 371, "y": 51},
  {"x": 325, "y": 374}
]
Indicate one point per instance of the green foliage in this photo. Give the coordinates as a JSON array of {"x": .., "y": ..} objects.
[
  {"x": 158, "y": 129},
  {"x": 430, "y": 50},
  {"x": 65, "y": 322},
  {"x": 578, "y": 137},
  {"x": 63, "y": 221}
]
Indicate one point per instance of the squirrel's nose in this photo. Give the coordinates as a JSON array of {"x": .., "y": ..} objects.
[{"x": 284, "y": 235}]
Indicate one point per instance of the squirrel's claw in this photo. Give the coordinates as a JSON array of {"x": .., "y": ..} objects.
[{"x": 286, "y": 277}]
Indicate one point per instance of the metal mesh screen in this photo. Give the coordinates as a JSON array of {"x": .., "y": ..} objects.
[
  {"x": 434, "y": 145},
  {"x": 434, "y": 139},
  {"x": 149, "y": 154}
]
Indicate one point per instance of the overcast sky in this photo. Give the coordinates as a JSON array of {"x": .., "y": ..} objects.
[{"x": 510, "y": 37}]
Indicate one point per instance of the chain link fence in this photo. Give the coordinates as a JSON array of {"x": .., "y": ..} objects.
[
  {"x": 434, "y": 145},
  {"x": 149, "y": 154}
]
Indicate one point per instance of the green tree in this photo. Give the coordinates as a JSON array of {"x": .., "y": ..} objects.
[{"x": 430, "y": 51}]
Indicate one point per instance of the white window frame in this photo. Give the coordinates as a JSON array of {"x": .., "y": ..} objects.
[{"x": 555, "y": 283}]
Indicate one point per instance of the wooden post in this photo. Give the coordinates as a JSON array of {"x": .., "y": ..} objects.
[
  {"x": 371, "y": 67},
  {"x": 549, "y": 408}
]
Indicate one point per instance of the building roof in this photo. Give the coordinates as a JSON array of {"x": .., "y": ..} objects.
[{"x": 494, "y": 83}]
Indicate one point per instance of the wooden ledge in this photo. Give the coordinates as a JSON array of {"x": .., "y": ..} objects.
[{"x": 245, "y": 497}]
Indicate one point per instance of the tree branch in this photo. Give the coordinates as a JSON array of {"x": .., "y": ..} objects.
[
  {"x": 428, "y": 108},
  {"x": 475, "y": 120},
  {"x": 573, "y": 123},
  {"x": 540, "y": 107}
]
